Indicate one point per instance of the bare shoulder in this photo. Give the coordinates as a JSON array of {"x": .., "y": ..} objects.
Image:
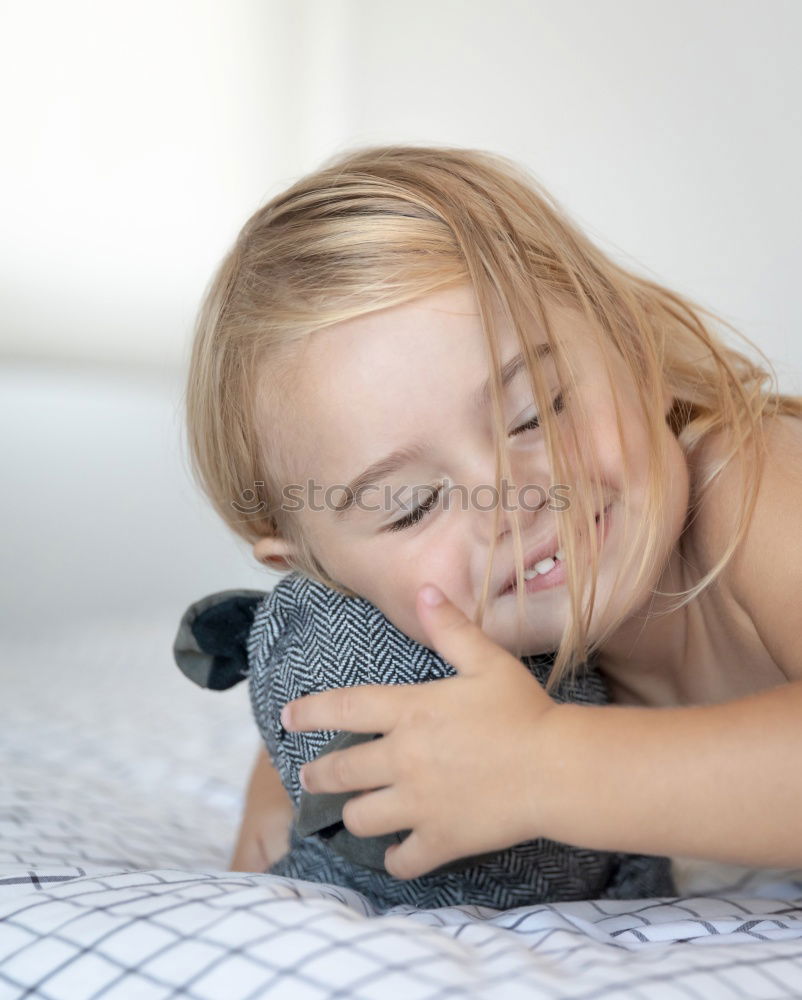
[
  {"x": 782, "y": 475},
  {"x": 764, "y": 575}
]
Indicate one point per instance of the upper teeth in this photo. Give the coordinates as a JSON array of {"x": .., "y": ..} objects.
[{"x": 543, "y": 566}]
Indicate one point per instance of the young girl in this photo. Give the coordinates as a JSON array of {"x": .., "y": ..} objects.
[{"x": 431, "y": 376}]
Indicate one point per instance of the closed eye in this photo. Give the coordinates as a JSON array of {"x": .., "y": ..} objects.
[
  {"x": 557, "y": 405},
  {"x": 417, "y": 515}
]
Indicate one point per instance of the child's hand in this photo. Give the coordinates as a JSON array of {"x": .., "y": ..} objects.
[{"x": 463, "y": 764}]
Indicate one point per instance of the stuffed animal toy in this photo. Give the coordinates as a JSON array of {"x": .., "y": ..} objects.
[{"x": 302, "y": 637}]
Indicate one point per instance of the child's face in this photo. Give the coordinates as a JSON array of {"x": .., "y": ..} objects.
[{"x": 407, "y": 376}]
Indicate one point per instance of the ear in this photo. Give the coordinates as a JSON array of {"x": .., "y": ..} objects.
[{"x": 273, "y": 552}]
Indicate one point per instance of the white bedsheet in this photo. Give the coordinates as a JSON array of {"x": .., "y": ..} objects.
[{"x": 120, "y": 799}]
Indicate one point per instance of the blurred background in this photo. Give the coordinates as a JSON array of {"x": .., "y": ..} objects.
[{"x": 137, "y": 138}]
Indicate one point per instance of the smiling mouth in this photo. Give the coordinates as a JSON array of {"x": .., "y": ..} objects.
[{"x": 547, "y": 569}]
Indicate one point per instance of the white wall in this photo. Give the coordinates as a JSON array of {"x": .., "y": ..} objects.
[
  {"x": 138, "y": 138},
  {"x": 141, "y": 136}
]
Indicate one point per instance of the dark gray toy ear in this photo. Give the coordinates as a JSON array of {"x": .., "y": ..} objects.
[{"x": 210, "y": 645}]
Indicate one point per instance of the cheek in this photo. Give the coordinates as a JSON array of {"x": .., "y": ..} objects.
[
  {"x": 395, "y": 590},
  {"x": 400, "y": 587},
  {"x": 614, "y": 453},
  {"x": 603, "y": 454}
]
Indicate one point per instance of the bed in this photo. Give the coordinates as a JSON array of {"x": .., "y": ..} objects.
[{"x": 120, "y": 799}]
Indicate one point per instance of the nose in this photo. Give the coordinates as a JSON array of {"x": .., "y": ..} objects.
[
  {"x": 528, "y": 502},
  {"x": 523, "y": 494}
]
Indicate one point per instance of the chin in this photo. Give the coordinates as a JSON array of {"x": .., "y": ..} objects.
[{"x": 504, "y": 635}]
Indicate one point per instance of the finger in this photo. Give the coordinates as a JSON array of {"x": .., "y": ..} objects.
[
  {"x": 365, "y": 708},
  {"x": 411, "y": 858},
  {"x": 455, "y": 636},
  {"x": 364, "y": 766},
  {"x": 374, "y": 814}
]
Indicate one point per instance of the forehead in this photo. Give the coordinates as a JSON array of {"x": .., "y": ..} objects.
[
  {"x": 363, "y": 387},
  {"x": 368, "y": 383}
]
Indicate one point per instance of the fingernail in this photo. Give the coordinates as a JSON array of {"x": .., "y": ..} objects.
[
  {"x": 285, "y": 716},
  {"x": 301, "y": 779},
  {"x": 431, "y": 595}
]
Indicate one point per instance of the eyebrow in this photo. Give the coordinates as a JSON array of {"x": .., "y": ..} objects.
[
  {"x": 404, "y": 456},
  {"x": 508, "y": 372}
]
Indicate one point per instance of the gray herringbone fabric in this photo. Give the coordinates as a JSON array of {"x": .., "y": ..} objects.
[{"x": 307, "y": 637}]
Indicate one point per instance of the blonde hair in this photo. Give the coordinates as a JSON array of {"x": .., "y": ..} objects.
[{"x": 384, "y": 225}]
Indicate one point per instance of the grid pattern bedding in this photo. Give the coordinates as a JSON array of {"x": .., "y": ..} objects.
[{"x": 119, "y": 802}]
